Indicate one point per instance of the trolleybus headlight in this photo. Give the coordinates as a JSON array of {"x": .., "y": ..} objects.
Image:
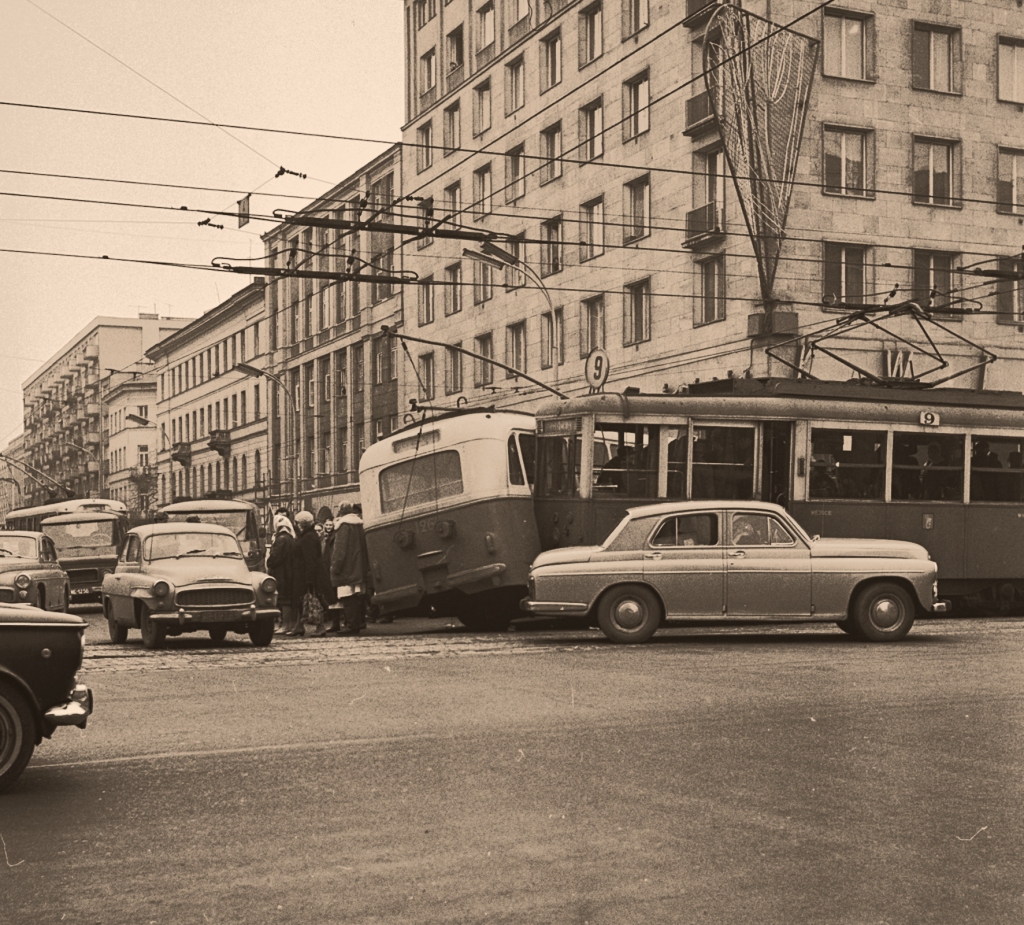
[
  {"x": 161, "y": 589},
  {"x": 445, "y": 529},
  {"x": 268, "y": 586},
  {"x": 22, "y": 582},
  {"x": 404, "y": 539}
]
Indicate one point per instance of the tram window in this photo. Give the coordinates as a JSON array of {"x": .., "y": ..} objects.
[
  {"x": 997, "y": 470},
  {"x": 422, "y": 480},
  {"x": 515, "y": 467},
  {"x": 723, "y": 463},
  {"x": 691, "y": 530},
  {"x": 558, "y": 466},
  {"x": 678, "y": 445},
  {"x": 927, "y": 467},
  {"x": 847, "y": 464},
  {"x": 626, "y": 460},
  {"x": 528, "y": 451}
]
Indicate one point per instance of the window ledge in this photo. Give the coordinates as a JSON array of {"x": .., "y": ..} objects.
[
  {"x": 867, "y": 197},
  {"x": 852, "y": 80},
  {"x": 953, "y": 206},
  {"x": 953, "y": 93}
]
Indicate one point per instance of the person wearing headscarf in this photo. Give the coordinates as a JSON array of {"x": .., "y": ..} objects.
[
  {"x": 333, "y": 611},
  {"x": 350, "y": 568},
  {"x": 282, "y": 565},
  {"x": 312, "y": 586}
]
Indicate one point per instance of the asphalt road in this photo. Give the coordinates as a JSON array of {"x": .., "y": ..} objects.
[{"x": 727, "y": 775}]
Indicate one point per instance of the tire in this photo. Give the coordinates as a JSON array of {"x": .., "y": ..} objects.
[
  {"x": 17, "y": 734},
  {"x": 118, "y": 634},
  {"x": 489, "y": 611},
  {"x": 629, "y": 614},
  {"x": 153, "y": 635},
  {"x": 882, "y": 612},
  {"x": 261, "y": 633},
  {"x": 218, "y": 634},
  {"x": 67, "y": 599},
  {"x": 848, "y": 626}
]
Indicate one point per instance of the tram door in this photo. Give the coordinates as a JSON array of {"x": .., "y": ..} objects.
[{"x": 776, "y": 453}]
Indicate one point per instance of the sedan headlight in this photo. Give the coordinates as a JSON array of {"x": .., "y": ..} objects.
[
  {"x": 22, "y": 582},
  {"x": 268, "y": 586},
  {"x": 161, "y": 589}
]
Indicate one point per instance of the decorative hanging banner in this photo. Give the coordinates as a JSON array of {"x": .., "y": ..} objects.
[
  {"x": 243, "y": 212},
  {"x": 759, "y": 77}
]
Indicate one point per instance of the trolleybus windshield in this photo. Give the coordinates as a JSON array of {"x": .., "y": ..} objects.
[
  {"x": 83, "y": 538},
  {"x": 235, "y": 521}
]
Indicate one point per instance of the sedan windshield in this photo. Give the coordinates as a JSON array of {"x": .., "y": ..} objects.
[
  {"x": 192, "y": 545},
  {"x": 82, "y": 538},
  {"x": 21, "y": 547}
]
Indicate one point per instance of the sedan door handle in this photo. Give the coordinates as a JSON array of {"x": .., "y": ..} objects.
[
  {"x": 737, "y": 554},
  {"x": 652, "y": 555}
]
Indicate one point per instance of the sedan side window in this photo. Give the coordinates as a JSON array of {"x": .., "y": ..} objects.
[
  {"x": 690, "y": 530},
  {"x": 749, "y": 530},
  {"x": 132, "y": 550},
  {"x": 49, "y": 553}
]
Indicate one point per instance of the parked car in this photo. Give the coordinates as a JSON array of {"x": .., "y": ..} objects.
[
  {"x": 30, "y": 572},
  {"x": 40, "y": 654},
  {"x": 734, "y": 561},
  {"x": 174, "y": 578}
]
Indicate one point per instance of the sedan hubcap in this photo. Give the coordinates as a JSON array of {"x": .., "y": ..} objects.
[
  {"x": 886, "y": 613},
  {"x": 629, "y": 614}
]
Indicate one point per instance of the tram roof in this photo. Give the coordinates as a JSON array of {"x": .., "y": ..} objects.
[{"x": 791, "y": 389}]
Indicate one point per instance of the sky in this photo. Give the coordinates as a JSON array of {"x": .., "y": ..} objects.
[{"x": 331, "y": 68}]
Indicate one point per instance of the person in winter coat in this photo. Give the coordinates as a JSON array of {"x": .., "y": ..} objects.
[
  {"x": 333, "y": 611},
  {"x": 350, "y": 568},
  {"x": 313, "y": 590},
  {"x": 281, "y": 564}
]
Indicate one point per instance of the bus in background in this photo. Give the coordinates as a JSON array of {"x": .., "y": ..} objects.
[
  {"x": 241, "y": 517},
  {"x": 31, "y": 518},
  {"x": 87, "y": 547},
  {"x": 448, "y": 515},
  {"x": 940, "y": 467}
]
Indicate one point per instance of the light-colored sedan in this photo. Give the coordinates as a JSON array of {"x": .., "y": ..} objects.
[
  {"x": 30, "y": 572},
  {"x": 175, "y": 578},
  {"x": 735, "y": 560}
]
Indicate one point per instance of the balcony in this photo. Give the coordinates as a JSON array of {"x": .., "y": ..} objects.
[
  {"x": 428, "y": 98},
  {"x": 92, "y": 409},
  {"x": 456, "y": 76},
  {"x": 92, "y": 352},
  {"x": 92, "y": 465},
  {"x": 700, "y": 115},
  {"x": 519, "y": 30},
  {"x": 485, "y": 55},
  {"x": 220, "y": 442},
  {"x": 182, "y": 453},
  {"x": 705, "y": 224},
  {"x": 699, "y": 12}
]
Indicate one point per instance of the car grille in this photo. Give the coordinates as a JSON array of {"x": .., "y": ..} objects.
[
  {"x": 84, "y": 574},
  {"x": 213, "y": 597},
  {"x": 7, "y": 596}
]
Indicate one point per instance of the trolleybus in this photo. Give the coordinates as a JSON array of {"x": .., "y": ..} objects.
[
  {"x": 241, "y": 517},
  {"x": 941, "y": 467},
  {"x": 448, "y": 514}
]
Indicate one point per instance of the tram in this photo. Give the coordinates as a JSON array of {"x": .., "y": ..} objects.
[
  {"x": 448, "y": 515},
  {"x": 941, "y": 467}
]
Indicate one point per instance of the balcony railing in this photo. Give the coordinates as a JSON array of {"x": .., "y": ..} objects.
[
  {"x": 704, "y": 223},
  {"x": 456, "y": 76}
]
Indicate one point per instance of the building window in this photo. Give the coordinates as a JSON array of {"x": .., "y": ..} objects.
[
  {"x": 551, "y": 61},
  {"x": 515, "y": 348},
  {"x": 428, "y": 71},
  {"x": 455, "y": 46},
  {"x": 452, "y": 128},
  {"x": 933, "y": 279},
  {"x": 426, "y": 221},
  {"x": 936, "y": 57},
  {"x": 1009, "y": 182},
  {"x": 483, "y": 282},
  {"x": 426, "y": 375},
  {"x": 1010, "y": 292},
  {"x": 453, "y": 199},
  {"x": 592, "y": 130},
  {"x": 483, "y": 372},
  {"x": 482, "y": 191},
  {"x": 453, "y": 369},
  {"x": 514, "y": 275},
  {"x": 551, "y": 247},
  {"x": 636, "y": 102},
  {"x": 515, "y": 85},
  {"x": 638, "y": 210},
  {"x": 591, "y": 33},
  {"x": 933, "y": 171},
  {"x": 711, "y": 298},
  {"x": 520, "y": 10},
  {"x": 636, "y": 312},
  {"x": 843, "y": 275},
  {"x": 143, "y": 455},
  {"x": 425, "y": 302},
  {"x": 552, "y": 339},
  {"x": 424, "y": 11},
  {"x": 1011, "y": 70},
  {"x": 845, "y": 155},
  {"x": 551, "y": 150},
  {"x": 482, "y": 108},
  {"x": 591, "y": 324},
  {"x": 515, "y": 173},
  {"x": 485, "y": 25},
  {"x": 846, "y": 45},
  {"x": 635, "y": 16},
  {"x": 453, "y": 289},
  {"x": 425, "y": 146},
  {"x": 592, "y": 229}
]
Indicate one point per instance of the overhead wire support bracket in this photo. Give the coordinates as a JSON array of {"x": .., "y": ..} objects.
[
  {"x": 405, "y": 279},
  {"x": 340, "y": 224}
]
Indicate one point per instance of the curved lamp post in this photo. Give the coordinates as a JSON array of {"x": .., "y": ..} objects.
[{"x": 246, "y": 370}]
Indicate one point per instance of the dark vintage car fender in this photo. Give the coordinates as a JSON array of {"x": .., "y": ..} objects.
[{"x": 40, "y": 656}]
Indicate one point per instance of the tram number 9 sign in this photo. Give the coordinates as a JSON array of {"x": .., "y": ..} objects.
[
  {"x": 930, "y": 419},
  {"x": 597, "y": 368}
]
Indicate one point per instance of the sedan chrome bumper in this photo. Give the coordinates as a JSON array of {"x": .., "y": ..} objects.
[
  {"x": 185, "y": 616},
  {"x": 552, "y": 606},
  {"x": 941, "y": 607},
  {"x": 73, "y": 713}
]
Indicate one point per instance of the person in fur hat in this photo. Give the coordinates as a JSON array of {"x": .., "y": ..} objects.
[
  {"x": 350, "y": 568},
  {"x": 281, "y": 564}
]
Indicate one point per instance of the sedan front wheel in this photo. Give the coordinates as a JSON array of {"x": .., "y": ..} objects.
[
  {"x": 17, "y": 734},
  {"x": 629, "y": 613},
  {"x": 883, "y": 612},
  {"x": 153, "y": 634}
]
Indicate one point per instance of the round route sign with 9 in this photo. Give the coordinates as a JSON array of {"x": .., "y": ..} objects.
[{"x": 597, "y": 368}]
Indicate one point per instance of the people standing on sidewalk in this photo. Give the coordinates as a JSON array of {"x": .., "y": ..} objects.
[
  {"x": 281, "y": 564},
  {"x": 350, "y": 568},
  {"x": 333, "y": 606},
  {"x": 312, "y": 587}
]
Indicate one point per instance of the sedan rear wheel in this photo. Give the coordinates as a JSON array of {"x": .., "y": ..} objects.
[
  {"x": 17, "y": 734},
  {"x": 883, "y": 612},
  {"x": 629, "y": 613},
  {"x": 153, "y": 634}
]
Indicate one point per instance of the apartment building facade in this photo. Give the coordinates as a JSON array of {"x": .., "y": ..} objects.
[
  {"x": 129, "y": 464},
  {"x": 583, "y": 135},
  {"x": 210, "y": 418}
]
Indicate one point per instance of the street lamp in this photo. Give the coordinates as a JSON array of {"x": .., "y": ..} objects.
[
  {"x": 145, "y": 422},
  {"x": 246, "y": 370},
  {"x": 501, "y": 259}
]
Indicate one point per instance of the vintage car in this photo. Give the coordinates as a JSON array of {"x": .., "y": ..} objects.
[
  {"x": 174, "y": 578},
  {"x": 40, "y": 654},
  {"x": 87, "y": 544},
  {"x": 30, "y": 572},
  {"x": 741, "y": 561}
]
